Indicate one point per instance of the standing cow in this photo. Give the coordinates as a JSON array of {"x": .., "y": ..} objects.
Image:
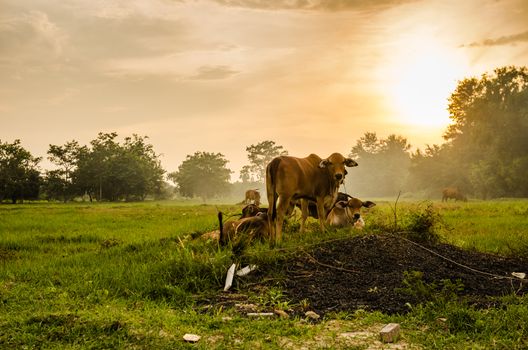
[
  {"x": 453, "y": 192},
  {"x": 312, "y": 178}
]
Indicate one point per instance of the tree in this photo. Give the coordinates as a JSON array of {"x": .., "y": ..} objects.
[
  {"x": 383, "y": 165},
  {"x": 19, "y": 174},
  {"x": 488, "y": 134},
  {"x": 111, "y": 171},
  {"x": 60, "y": 183},
  {"x": 259, "y": 156},
  {"x": 202, "y": 174}
]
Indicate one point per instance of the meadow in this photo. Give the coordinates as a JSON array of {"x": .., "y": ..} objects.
[{"x": 138, "y": 275}]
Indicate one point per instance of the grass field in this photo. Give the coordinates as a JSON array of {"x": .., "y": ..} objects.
[{"x": 127, "y": 275}]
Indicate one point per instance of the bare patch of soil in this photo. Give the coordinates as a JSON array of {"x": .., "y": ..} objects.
[{"x": 366, "y": 272}]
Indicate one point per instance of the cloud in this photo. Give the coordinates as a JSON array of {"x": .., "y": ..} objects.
[
  {"x": 27, "y": 31},
  {"x": 325, "y": 5},
  {"x": 503, "y": 40},
  {"x": 213, "y": 73}
]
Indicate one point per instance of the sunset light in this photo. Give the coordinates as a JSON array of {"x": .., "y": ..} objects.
[{"x": 421, "y": 78}]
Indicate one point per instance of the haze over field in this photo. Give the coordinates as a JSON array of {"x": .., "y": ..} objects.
[{"x": 220, "y": 75}]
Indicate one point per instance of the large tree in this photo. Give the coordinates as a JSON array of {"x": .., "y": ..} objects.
[
  {"x": 489, "y": 132},
  {"x": 259, "y": 156},
  {"x": 19, "y": 174},
  {"x": 112, "y": 171},
  {"x": 203, "y": 175}
]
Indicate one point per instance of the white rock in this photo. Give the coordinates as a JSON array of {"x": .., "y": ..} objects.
[{"x": 191, "y": 338}]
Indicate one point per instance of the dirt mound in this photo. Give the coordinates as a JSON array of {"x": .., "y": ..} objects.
[{"x": 367, "y": 272}]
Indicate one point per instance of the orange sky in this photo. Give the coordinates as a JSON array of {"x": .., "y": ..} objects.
[{"x": 220, "y": 75}]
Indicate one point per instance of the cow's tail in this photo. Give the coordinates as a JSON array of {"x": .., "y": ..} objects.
[
  {"x": 271, "y": 183},
  {"x": 222, "y": 239}
]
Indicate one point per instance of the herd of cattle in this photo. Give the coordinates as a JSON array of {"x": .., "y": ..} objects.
[{"x": 310, "y": 184}]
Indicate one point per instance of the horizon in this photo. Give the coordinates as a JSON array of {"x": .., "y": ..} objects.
[{"x": 221, "y": 75}]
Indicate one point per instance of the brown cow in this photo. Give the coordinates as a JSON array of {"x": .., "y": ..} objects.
[
  {"x": 345, "y": 213},
  {"x": 252, "y": 197},
  {"x": 453, "y": 192},
  {"x": 312, "y": 178},
  {"x": 252, "y": 210},
  {"x": 244, "y": 230}
]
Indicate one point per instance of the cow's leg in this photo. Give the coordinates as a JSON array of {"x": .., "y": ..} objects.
[
  {"x": 321, "y": 213},
  {"x": 282, "y": 207},
  {"x": 304, "y": 213}
]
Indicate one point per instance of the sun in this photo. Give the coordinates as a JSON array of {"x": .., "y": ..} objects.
[{"x": 420, "y": 80}]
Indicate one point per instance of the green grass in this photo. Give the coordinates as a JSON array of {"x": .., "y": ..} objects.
[{"x": 129, "y": 275}]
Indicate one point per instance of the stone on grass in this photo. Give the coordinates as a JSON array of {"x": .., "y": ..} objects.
[
  {"x": 390, "y": 333},
  {"x": 191, "y": 338}
]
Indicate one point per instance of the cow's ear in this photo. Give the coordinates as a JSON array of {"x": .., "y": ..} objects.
[
  {"x": 368, "y": 204},
  {"x": 341, "y": 204},
  {"x": 324, "y": 163},
  {"x": 349, "y": 162}
]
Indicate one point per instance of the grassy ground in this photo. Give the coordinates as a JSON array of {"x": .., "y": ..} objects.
[{"x": 130, "y": 275}]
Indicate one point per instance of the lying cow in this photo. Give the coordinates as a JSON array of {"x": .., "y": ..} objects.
[
  {"x": 453, "y": 192},
  {"x": 243, "y": 231},
  {"x": 348, "y": 213},
  {"x": 312, "y": 178},
  {"x": 252, "y": 197},
  {"x": 252, "y": 210},
  {"x": 312, "y": 206}
]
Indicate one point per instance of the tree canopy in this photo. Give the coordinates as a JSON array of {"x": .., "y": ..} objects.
[
  {"x": 486, "y": 149},
  {"x": 259, "y": 156},
  {"x": 203, "y": 175},
  {"x": 19, "y": 173}
]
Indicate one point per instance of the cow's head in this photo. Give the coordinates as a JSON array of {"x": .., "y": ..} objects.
[
  {"x": 336, "y": 165},
  {"x": 352, "y": 208}
]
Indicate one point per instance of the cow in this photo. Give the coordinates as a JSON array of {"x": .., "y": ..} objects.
[
  {"x": 252, "y": 210},
  {"x": 348, "y": 213},
  {"x": 453, "y": 192},
  {"x": 243, "y": 231},
  {"x": 252, "y": 197},
  {"x": 312, "y": 206},
  {"x": 312, "y": 178}
]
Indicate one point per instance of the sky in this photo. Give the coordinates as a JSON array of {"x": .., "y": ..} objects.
[{"x": 221, "y": 75}]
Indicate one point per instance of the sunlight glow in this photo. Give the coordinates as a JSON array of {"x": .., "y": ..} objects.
[{"x": 422, "y": 77}]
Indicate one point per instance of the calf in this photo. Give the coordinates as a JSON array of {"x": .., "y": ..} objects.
[
  {"x": 244, "y": 230},
  {"x": 348, "y": 213},
  {"x": 252, "y": 210}
]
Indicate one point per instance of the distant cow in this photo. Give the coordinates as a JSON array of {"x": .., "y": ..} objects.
[
  {"x": 312, "y": 178},
  {"x": 252, "y": 197},
  {"x": 348, "y": 213},
  {"x": 453, "y": 192}
]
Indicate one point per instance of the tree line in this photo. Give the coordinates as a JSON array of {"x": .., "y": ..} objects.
[{"x": 485, "y": 155}]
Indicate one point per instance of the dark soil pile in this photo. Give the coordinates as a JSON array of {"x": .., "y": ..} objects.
[{"x": 367, "y": 272}]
